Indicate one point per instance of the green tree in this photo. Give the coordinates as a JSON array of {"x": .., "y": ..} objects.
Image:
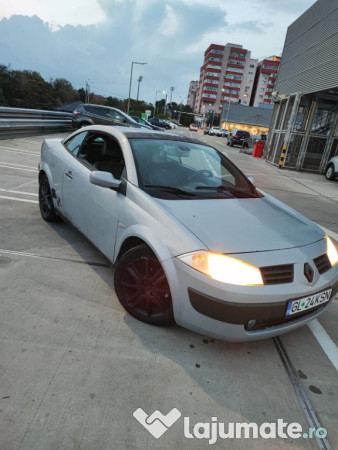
[{"x": 63, "y": 92}]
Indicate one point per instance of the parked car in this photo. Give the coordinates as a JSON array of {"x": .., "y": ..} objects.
[
  {"x": 239, "y": 137},
  {"x": 193, "y": 127},
  {"x": 159, "y": 123},
  {"x": 331, "y": 170},
  {"x": 145, "y": 122},
  {"x": 206, "y": 130},
  {"x": 192, "y": 239},
  {"x": 171, "y": 123},
  {"x": 213, "y": 130},
  {"x": 221, "y": 132},
  {"x": 88, "y": 114}
]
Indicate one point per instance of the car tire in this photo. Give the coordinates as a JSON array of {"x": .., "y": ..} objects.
[
  {"x": 329, "y": 172},
  {"x": 46, "y": 204},
  {"x": 142, "y": 287}
]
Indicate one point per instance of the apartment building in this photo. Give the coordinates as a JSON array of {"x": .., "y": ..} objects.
[
  {"x": 193, "y": 87},
  {"x": 227, "y": 75},
  {"x": 265, "y": 82}
]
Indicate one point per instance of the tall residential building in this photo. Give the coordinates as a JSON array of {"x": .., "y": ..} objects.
[
  {"x": 193, "y": 86},
  {"x": 265, "y": 82},
  {"x": 227, "y": 75}
]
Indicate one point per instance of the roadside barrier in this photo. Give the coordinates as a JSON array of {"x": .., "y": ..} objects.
[{"x": 16, "y": 122}]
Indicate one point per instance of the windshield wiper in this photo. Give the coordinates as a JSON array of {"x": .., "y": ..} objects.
[
  {"x": 230, "y": 189},
  {"x": 172, "y": 189}
]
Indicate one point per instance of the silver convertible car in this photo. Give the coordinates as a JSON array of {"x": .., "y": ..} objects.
[{"x": 192, "y": 240}]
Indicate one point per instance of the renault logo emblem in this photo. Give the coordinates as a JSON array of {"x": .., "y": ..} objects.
[{"x": 308, "y": 272}]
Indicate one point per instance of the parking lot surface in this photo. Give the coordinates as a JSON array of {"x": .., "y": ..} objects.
[{"x": 74, "y": 366}]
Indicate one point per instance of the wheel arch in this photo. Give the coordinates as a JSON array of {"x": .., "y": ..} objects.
[{"x": 137, "y": 235}]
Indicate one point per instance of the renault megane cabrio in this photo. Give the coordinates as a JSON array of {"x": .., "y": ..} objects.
[{"x": 192, "y": 239}]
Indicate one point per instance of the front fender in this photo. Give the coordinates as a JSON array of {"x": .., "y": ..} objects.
[{"x": 146, "y": 234}]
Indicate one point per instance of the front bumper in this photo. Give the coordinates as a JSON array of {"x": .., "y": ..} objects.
[{"x": 223, "y": 311}]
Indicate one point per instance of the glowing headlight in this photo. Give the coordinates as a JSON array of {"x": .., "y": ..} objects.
[
  {"x": 224, "y": 268},
  {"x": 331, "y": 251}
]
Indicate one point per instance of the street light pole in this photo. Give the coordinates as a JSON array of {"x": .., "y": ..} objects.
[
  {"x": 131, "y": 77},
  {"x": 163, "y": 92}
]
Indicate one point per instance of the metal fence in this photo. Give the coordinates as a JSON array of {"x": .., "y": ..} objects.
[{"x": 25, "y": 122}]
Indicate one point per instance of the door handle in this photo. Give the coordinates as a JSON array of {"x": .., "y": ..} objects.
[{"x": 69, "y": 174}]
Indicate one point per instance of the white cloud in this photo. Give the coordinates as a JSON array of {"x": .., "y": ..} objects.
[{"x": 170, "y": 35}]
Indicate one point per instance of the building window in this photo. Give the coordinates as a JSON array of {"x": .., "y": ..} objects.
[
  {"x": 240, "y": 63},
  {"x": 252, "y": 66},
  {"x": 239, "y": 55},
  {"x": 235, "y": 69}
]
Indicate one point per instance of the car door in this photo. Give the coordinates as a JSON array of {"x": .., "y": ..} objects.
[{"x": 92, "y": 209}]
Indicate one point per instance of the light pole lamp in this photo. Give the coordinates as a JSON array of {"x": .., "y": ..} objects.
[
  {"x": 163, "y": 92},
  {"x": 131, "y": 77}
]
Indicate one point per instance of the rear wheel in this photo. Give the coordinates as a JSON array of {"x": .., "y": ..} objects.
[
  {"x": 46, "y": 205},
  {"x": 142, "y": 287},
  {"x": 329, "y": 173}
]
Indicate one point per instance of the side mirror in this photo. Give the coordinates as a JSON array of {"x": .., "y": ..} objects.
[{"x": 104, "y": 179}]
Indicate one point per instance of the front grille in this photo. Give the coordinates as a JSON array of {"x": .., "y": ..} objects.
[
  {"x": 277, "y": 274},
  {"x": 322, "y": 263}
]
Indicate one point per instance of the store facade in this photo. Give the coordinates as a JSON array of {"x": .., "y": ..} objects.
[{"x": 303, "y": 131}]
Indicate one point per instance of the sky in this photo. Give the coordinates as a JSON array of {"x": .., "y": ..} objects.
[{"x": 96, "y": 41}]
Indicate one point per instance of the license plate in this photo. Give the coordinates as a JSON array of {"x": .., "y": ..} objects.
[{"x": 306, "y": 303}]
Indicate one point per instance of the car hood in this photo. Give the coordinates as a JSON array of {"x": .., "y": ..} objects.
[{"x": 244, "y": 225}]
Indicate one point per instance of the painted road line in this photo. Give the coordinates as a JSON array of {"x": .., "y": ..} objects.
[
  {"x": 17, "y": 192},
  {"x": 54, "y": 258},
  {"x": 13, "y": 150},
  {"x": 17, "y": 165},
  {"x": 325, "y": 342},
  {"x": 18, "y": 168},
  {"x": 19, "y": 199}
]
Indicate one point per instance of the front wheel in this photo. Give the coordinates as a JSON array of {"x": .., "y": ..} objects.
[
  {"x": 142, "y": 287},
  {"x": 329, "y": 173},
  {"x": 46, "y": 205}
]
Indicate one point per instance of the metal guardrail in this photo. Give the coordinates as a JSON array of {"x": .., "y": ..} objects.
[{"x": 26, "y": 122}]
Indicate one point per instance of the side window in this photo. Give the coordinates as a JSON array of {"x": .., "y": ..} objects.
[
  {"x": 74, "y": 144},
  {"x": 102, "y": 152},
  {"x": 103, "y": 112},
  {"x": 115, "y": 115}
]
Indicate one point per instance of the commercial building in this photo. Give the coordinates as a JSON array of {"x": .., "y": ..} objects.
[
  {"x": 304, "y": 127},
  {"x": 255, "y": 120},
  {"x": 227, "y": 74}
]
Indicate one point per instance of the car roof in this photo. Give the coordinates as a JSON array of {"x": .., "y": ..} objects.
[{"x": 139, "y": 133}]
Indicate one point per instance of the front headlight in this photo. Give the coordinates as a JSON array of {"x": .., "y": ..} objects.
[
  {"x": 224, "y": 268},
  {"x": 331, "y": 251}
]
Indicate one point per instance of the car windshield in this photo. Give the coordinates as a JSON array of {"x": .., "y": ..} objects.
[{"x": 173, "y": 169}]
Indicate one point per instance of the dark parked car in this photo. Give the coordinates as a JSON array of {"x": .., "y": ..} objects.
[
  {"x": 87, "y": 114},
  {"x": 147, "y": 123},
  {"x": 159, "y": 123},
  {"x": 239, "y": 137}
]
